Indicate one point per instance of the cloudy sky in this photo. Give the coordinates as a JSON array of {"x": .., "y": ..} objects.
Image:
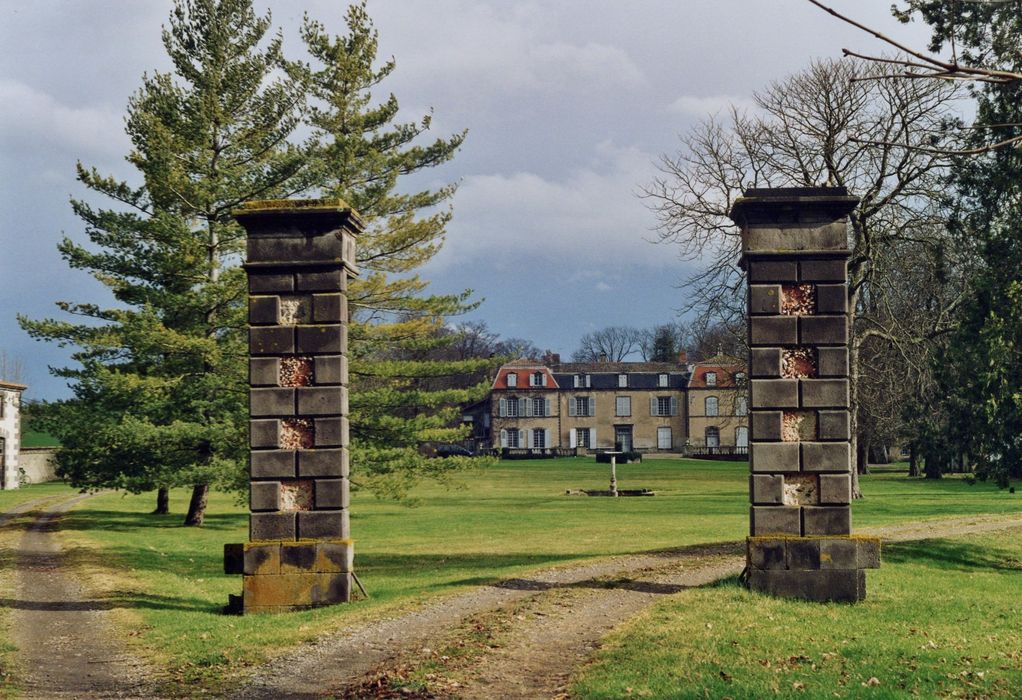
[{"x": 568, "y": 104}]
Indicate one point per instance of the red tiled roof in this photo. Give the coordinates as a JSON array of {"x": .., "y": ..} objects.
[{"x": 524, "y": 373}]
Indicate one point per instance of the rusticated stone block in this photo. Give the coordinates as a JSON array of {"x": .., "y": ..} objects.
[
  {"x": 322, "y": 401},
  {"x": 774, "y": 393},
  {"x": 765, "y": 553},
  {"x": 833, "y": 362},
  {"x": 323, "y": 463},
  {"x": 766, "y": 362},
  {"x": 822, "y": 271},
  {"x": 774, "y": 456},
  {"x": 271, "y": 340},
  {"x": 282, "y": 248},
  {"x": 831, "y": 299},
  {"x": 835, "y": 489},
  {"x": 802, "y": 554},
  {"x": 765, "y": 299},
  {"x": 802, "y": 235},
  {"x": 766, "y": 489},
  {"x": 322, "y": 339},
  {"x": 826, "y": 457},
  {"x": 264, "y": 495},
  {"x": 331, "y": 369},
  {"x": 262, "y": 559},
  {"x": 833, "y": 425},
  {"x": 331, "y": 432},
  {"x": 774, "y": 520},
  {"x": 325, "y": 281},
  {"x": 271, "y": 526},
  {"x": 269, "y": 282},
  {"x": 336, "y": 556},
  {"x": 773, "y": 271},
  {"x": 766, "y": 425},
  {"x": 297, "y": 557},
  {"x": 332, "y": 493},
  {"x": 264, "y": 433},
  {"x": 827, "y": 520},
  {"x": 823, "y": 330},
  {"x": 838, "y": 553},
  {"x": 263, "y": 371},
  {"x": 773, "y": 330},
  {"x": 271, "y": 402},
  {"x": 294, "y": 591},
  {"x": 273, "y": 464},
  {"x": 834, "y": 585},
  {"x": 264, "y": 310},
  {"x": 329, "y": 308},
  {"x": 867, "y": 552},
  {"x": 824, "y": 393},
  {"x": 324, "y": 524}
]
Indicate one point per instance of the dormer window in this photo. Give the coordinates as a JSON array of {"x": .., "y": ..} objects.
[
  {"x": 537, "y": 379},
  {"x": 512, "y": 379},
  {"x": 581, "y": 380},
  {"x": 622, "y": 380},
  {"x": 661, "y": 380},
  {"x": 711, "y": 379}
]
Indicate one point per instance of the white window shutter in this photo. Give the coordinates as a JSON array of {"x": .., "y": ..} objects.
[
  {"x": 542, "y": 379},
  {"x": 503, "y": 438},
  {"x": 572, "y": 438},
  {"x": 592, "y": 439},
  {"x": 652, "y": 406},
  {"x": 528, "y": 407},
  {"x": 674, "y": 405},
  {"x": 546, "y": 438},
  {"x": 502, "y": 409},
  {"x": 574, "y": 381},
  {"x": 522, "y": 439},
  {"x": 592, "y": 405},
  {"x": 546, "y": 407},
  {"x": 571, "y": 406}
]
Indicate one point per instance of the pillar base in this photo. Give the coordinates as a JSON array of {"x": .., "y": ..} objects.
[
  {"x": 821, "y": 569},
  {"x": 281, "y": 576}
]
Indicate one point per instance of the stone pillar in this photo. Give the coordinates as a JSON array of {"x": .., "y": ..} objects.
[
  {"x": 795, "y": 253},
  {"x": 299, "y": 554}
]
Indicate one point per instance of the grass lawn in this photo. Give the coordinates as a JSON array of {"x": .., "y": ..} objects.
[
  {"x": 36, "y": 438},
  {"x": 168, "y": 583},
  {"x": 941, "y": 620}
]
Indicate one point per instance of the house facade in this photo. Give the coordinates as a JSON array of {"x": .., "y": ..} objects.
[
  {"x": 10, "y": 433},
  {"x": 640, "y": 406}
]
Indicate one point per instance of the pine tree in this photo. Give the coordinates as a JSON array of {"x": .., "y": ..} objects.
[
  {"x": 981, "y": 373},
  {"x": 401, "y": 395},
  {"x": 160, "y": 397}
]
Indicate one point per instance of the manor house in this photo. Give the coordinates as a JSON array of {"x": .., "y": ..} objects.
[{"x": 547, "y": 405}]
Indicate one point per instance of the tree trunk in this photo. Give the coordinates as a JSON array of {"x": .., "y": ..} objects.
[
  {"x": 197, "y": 505},
  {"x": 913, "y": 460},
  {"x": 861, "y": 456},
  {"x": 162, "y": 501},
  {"x": 932, "y": 466}
]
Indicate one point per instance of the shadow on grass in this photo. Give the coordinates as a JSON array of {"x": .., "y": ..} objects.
[
  {"x": 127, "y": 599},
  {"x": 953, "y": 555}
]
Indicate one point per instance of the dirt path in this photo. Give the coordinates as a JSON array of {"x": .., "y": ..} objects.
[
  {"x": 65, "y": 647},
  {"x": 547, "y": 624}
]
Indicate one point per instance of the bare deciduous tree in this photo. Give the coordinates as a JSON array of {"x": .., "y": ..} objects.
[
  {"x": 12, "y": 369},
  {"x": 813, "y": 129},
  {"x": 611, "y": 344}
]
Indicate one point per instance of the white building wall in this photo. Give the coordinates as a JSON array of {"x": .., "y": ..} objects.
[{"x": 10, "y": 433}]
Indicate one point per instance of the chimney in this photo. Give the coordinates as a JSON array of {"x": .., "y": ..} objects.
[
  {"x": 682, "y": 357},
  {"x": 603, "y": 357},
  {"x": 555, "y": 358}
]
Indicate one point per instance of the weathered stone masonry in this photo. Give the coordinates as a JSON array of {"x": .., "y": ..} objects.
[
  {"x": 299, "y": 554},
  {"x": 795, "y": 253}
]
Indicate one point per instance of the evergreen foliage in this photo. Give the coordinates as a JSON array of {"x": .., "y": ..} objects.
[
  {"x": 404, "y": 392},
  {"x": 981, "y": 374}
]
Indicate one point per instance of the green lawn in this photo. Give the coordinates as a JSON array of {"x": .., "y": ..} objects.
[
  {"x": 36, "y": 438},
  {"x": 941, "y": 620},
  {"x": 167, "y": 580}
]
